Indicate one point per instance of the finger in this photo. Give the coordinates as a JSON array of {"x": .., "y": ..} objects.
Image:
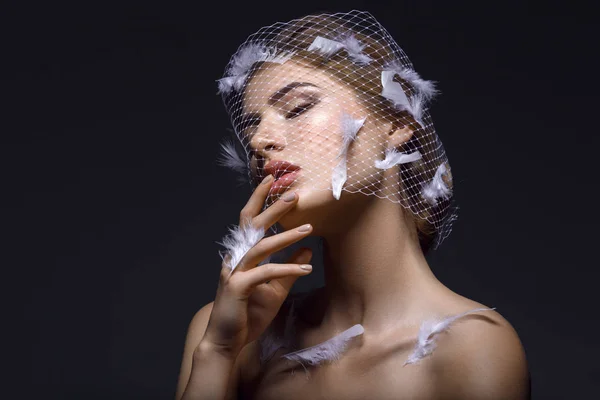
[
  {"x": 256, "y": 201},
  {"x": 272, "y": 214},
  {"x": 271, "y": 244},
  {"x": 244, "y": 283},
  {"x": 300, "y": 256}
]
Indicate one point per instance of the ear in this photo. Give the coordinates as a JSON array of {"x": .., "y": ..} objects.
[{"x": 399, "y": 136}]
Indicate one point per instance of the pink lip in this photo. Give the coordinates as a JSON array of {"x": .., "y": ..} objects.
[
  {"x": 284, "y": 182},
  {"x": 279, "y": 167}
]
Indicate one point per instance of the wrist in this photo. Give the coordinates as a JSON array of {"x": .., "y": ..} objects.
[{"x": 210, "y": 350}]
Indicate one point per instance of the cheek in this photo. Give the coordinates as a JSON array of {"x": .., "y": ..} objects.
[
  {"x": 320, "y": 137},
  {"x": 318, "y": 142},
  {"x": 364, "y": 151}
]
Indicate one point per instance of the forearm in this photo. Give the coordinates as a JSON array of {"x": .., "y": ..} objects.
[{"x": 211, "y": 374}]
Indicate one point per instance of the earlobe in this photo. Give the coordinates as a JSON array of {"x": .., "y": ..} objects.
[{"x": 400, "y": 136}]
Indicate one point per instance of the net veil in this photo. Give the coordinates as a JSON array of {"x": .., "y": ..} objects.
[{"x": 331, "y": 103}]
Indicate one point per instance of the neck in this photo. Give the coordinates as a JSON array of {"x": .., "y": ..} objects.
[{"x": 375, "y": 272}]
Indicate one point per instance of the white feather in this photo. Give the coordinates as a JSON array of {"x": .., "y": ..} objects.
[
  {"x": 446, "y": 227},
  {"x": 269, "y": 344},
  {"x": 244, "y": 59},
  {"x": 393, "y": 91},
  {"x": 231, "y": 158},
  {"x": 329, "y": 350},
  {"x": 325, "y": 46},
  {"x": 338, "y": 178},
  {"x": 240, "y": 65},
  {"x": 279, "y": 58},
  {"x": 417, "y": 106},
  {"x": 355, "y": 49},
  {"x": 226, "y": 84},
  {"x": 426, "y": 336},
  {"x": 394, "y": 157},
  {"x": 424, "y": 87},
  {"x": 239, "y": 240},
  {"x": 436, "y": 188},
  {"x": 350, "y": 128},
  {"x": 348, "y": 42}
]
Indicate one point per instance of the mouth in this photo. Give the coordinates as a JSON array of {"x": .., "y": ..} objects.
[
  {"x": 285, "y": 174},
  {"x": 284, "y": 182}
]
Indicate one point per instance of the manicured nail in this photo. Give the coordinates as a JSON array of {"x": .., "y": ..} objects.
[
  {"x": 289, "y": 196},
  {"x": 267, "y": 179},
  {"x": 306, "y": 267},
  {"x": 304, "y": 228}
]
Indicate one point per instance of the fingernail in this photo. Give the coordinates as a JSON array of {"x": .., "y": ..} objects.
[
  {"x": 289, "y": 196},
  {"x": 306, "y": 267},
  {"x": 267, "y": 179},
  {"x": 304, "y": 228}
]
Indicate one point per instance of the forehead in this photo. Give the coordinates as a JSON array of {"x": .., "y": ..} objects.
[{"x": 272, "y": 76}]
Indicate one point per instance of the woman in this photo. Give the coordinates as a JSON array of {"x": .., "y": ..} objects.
[{"x": 340, "y": 145}]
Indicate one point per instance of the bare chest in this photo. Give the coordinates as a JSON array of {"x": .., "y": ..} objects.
[{"x": 353, "y": 379}]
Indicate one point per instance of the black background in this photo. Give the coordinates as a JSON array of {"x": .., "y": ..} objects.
[{"x": 113, "y": 202}]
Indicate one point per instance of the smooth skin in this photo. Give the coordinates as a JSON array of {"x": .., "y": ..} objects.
[
  {"x": 481, "y": 359},
  {"x": 374, "y": 268},
  {"x": 245, "y": 303}
]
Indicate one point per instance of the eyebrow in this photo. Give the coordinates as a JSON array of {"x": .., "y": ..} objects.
[{"x": 275, "y": 97}]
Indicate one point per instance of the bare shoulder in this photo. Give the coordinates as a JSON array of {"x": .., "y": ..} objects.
[
  {"x": 481, "y": 357},
  {"x": 195, "y": 332}
]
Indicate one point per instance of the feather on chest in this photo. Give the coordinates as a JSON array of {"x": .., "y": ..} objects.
[
  {"x": 379, "y": 376},
  {"x": 345, "y": 366}
]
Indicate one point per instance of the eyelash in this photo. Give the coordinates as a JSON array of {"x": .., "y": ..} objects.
[{"x": 299, "y": 110}]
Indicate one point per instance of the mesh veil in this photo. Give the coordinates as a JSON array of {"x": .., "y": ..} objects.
[{"x": 317, "y": 101}]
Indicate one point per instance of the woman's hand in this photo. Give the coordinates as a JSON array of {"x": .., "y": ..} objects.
[{"x": 245, "y": 303}]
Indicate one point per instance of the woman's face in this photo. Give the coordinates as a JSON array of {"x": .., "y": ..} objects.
[{"x": 293, "y": 114}]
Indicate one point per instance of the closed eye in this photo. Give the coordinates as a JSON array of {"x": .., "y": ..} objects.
[{"x": 299, "y": 110}]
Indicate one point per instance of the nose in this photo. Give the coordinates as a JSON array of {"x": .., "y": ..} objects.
[{"x": 268, "y": 136}]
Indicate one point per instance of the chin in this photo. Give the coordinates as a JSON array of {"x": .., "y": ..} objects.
[{"x": 315, "y": 207}]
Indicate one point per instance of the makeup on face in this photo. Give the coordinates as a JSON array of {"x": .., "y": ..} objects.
[{"x": 291, "y": 101}]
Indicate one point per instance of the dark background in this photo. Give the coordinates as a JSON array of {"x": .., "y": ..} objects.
[{"x": 112, "y": 201}]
